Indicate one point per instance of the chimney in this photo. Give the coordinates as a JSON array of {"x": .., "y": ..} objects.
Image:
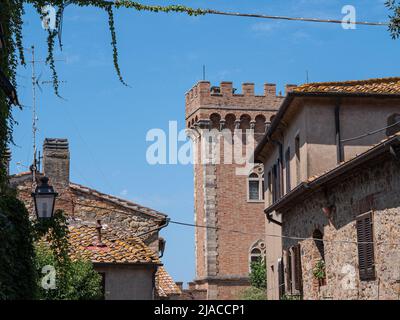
[
  {"x": 289, "y": 88},
  {"x": 99, "y": 243},
  {"x": 56, "y": 162}
]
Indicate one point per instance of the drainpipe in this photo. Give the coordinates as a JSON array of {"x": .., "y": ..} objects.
[
  {"x": 339, "y": 149},
  {"x": 272, "y": 220}
]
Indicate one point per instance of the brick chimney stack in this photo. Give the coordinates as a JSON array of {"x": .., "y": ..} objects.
[{"x": 56, "y": 162}]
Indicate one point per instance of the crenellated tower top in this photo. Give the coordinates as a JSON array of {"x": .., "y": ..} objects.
[{"x": 221, "y": 106}]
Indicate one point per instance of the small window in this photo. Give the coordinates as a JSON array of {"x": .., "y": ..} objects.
[
  {"x": 365, "y": 239},
  {"x": 256, "y": 185},
  {"x": 287, "y": 167},
  {"x": 297, "y": 154},
  {"x": 255, "y": 255},
  {"x": 254, "y": 190},
  {"x": 295, "y": 281},
  {"x": 103, "y": 284}
]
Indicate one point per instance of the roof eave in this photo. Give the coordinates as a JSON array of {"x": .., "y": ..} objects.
[
  {"x": 133, "y": 264},
  {"x": 292, "y": 95},
  {"x": 306, "y": 187}
]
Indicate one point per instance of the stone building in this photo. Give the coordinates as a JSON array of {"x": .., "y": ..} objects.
[
  {"x": 82, "y": 205},
  {"x": 224, "y": 198},
  {"x": 319, "y": 127},
  {"x": 351, "y": 218},
  {"x": 128, "y": 267}
]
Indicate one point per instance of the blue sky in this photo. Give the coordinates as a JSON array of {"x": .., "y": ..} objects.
[{"x": 161, "y": 57}]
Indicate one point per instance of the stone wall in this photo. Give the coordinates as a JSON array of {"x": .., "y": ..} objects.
[{"x": 375, "y": 188}]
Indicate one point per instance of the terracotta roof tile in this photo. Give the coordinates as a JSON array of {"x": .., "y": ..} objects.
[
  {"x": 165, "y": 285},
  {"x": 83, "y": 240},
  {"x": 380, "y": 86}
]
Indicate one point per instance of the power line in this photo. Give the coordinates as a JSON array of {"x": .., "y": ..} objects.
[
  {"x": 200, "y": 11},
  {"x": 371, "y": 133},
  {"x": 263, "y": 16},
  {"x": 242, "y": 232},
  {"x": 280, "y": 236}
]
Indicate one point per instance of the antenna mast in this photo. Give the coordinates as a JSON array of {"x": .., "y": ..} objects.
[{"x": 34, "y": 117}]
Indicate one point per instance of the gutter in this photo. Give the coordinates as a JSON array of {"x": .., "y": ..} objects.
[
  {"x": 131, "y": 264},
  {"x": 166, "y": 223},
  {"x": 272, "y": 220}
]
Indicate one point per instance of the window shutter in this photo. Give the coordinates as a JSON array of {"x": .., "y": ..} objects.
[
  {"x": 298, "y": 273},
  {"x": 281, "y": 276},
  {"x": 366, "y": 260},
  {"x": 288, "y": 271}
]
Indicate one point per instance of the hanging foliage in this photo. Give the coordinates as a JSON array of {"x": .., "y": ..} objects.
[
  {"x": 394, "y": 25},
  {"x": 11, "y": 18},
  {"x": 17, "y": 271}
]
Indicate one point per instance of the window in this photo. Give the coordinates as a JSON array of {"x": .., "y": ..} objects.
[
  {"x": 319, "y": 255},
  {"x": 255, "y": 255},
  {"x": 287, "y": 167},
  {"x": 256, "y": 185},
  {"x": 319, "y": 243},
  {"x": 297, "y": 154},
  {"x": 263, "y": 187},
  {"x": 366, "y": 260},
  {"x": 274, "y": 184},
  {"x": 257, "y": 252},
  {"x": 294, "y": 272},
  {"x": 103, "y": 284},
  {"x": 269, "y": 188}
]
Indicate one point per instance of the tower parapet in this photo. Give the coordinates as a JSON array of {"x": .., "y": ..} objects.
[{"x": 221, "y": 107}]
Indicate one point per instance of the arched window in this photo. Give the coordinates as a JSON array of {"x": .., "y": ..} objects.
[
  {"x": 256, "y": 184},
  {"x": 255, "y": 255},
  {"x": 319, "y": 269},
  {"x": 257, "y": 252},
  {"x": 319, "y": 243}
]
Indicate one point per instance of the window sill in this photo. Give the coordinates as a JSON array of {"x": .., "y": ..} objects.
[{"x": 255, "y": 201}]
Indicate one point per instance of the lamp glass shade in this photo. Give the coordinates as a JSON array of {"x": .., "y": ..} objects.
[
  {"x": 44, "y": 205},
  {"x": 44, "y": 197}
]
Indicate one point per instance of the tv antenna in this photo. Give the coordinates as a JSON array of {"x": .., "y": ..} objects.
[{"x": 36, "y": 83}]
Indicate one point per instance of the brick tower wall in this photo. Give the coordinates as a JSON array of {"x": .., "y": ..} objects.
[{"x": 222, "y": 257}]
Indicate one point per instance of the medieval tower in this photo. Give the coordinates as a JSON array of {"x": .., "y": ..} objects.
[{"x": 225, "y": 201}]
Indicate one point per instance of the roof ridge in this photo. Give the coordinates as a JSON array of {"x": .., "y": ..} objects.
[
  {"x": 350, "y": 82},
  {"x": 122, "y": 202}
]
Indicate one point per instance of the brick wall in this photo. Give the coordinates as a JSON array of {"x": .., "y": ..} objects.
[{"x": 222, "y": 257}]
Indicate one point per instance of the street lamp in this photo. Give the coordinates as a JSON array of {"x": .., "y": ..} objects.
[{"x": 44, "y": 198}]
